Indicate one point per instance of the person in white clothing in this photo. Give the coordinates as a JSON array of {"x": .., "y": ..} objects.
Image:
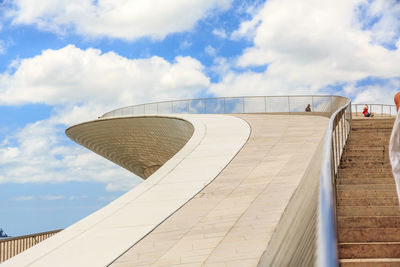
[{"x": 394, "y": 147}]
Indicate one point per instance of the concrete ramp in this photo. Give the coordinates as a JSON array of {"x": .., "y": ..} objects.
[
  {"x": 260, "y": 210},
  {"x": 241, "y": 191}
]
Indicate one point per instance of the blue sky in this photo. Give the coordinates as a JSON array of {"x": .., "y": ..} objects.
[{"x": 64, "y": 62}]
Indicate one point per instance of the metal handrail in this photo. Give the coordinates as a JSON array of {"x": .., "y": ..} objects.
[
  {"x": 244, "y": 104},
  {"x": 335, "y": 140},
  {"x": 382, "y": 110}
]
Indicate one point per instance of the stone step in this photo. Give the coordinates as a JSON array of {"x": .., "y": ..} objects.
[
  {"x": 372, "y": 173},
  {"x": 380, "y": 171},
  {"x": 382, "y": 130},
  {"x": 349, "y": 235},
  {"x": 372, "y": 129},
  {"x": 364, "y": 157},
  {"x": 359, "y": 132},
  {"x": 353, "y": 156},
  {"x": 369, "y": 250},
  {"x": 368, "y": 211},
  {"x": 373, "y": 121},
  {"x": 360, "y": 181},
  {"x": 368, "y": 165},
  {"x": 373, "y": 162},
  {"x": 378, "y": 201},
  {"x": 366, "y": 193},
  {"x": 386, "y": 131},
  {"x": 357, "y": 153},
  {"x": 386, "y": 262},
  {"x": 349, "y": 173},
  {"x": 377, "y": 187},
  {"x": 352, "y": 146},
  {"x": 368, "y": 221},
  {"x": 369, "y": 139},
  {"x": 372, "y": 125}
]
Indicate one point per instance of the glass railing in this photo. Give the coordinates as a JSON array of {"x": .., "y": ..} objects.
[
  {"x": 380, "y": 110},
  {"x": 246, "y": 104}
]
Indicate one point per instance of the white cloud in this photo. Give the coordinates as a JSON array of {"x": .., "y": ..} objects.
[
  {"x": 81, "y": 85},
  {"x": 220, "y": 33},
  {"x": 210, "y": 51},
  {"x": 382, "y": 93},
  {"x": 44, "y": 197},
  {"x": 307, "y": 45},
  {"x": 384, "y": 15},
  {"x": 9, "y": 153},
  {"x": 185, "y": 45},
  {"x": 72, "y": 76},
  {"x": 73, "y": 197},
  {"x": 121, "y": 185},
  {"x": 115, "y": 18}
]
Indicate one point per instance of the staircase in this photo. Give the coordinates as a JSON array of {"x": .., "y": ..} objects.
[{"x": 368, "y": 214}]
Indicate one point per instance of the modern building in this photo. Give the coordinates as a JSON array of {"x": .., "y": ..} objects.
[{"x": 241, "y": 181}]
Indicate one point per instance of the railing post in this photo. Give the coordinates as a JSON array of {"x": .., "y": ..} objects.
[
  {"x": 343, "y": 119},
  {"x": 340, "y": 135},
  {"x": 224, "y": 106},
  {"x": 265, "y": 104},
  {"x": 336, "y": 145},
  {"x": 312, "y": 103}
]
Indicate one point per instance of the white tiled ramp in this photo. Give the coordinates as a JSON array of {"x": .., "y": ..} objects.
[
  {"x": 106, "y": 234},
  {"x": 233, "y": 219}
]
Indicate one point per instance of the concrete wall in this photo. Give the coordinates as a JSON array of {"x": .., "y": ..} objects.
[{"x": 294, "y": 240}]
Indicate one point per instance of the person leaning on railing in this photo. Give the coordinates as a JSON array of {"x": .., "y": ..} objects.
[{"x": 394, "y": 147}]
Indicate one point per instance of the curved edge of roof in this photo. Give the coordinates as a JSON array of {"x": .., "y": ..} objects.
[{"x": 107, "y": 233}]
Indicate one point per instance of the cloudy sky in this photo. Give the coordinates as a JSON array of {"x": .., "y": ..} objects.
[{"x": 67, "y": 61}]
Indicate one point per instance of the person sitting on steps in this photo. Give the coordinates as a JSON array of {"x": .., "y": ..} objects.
[{"x": 366, "y": 113}]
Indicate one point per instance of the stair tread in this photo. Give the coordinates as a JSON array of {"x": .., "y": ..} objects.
[
  {"x": 371, "y": 260},
  {"x": 371, "y": 243}
]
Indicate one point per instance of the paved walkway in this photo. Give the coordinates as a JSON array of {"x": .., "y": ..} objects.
[{"x": 230, "y": 222}]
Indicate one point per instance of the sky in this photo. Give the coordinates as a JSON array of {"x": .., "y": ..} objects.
[{"x": 63, "y": 62}]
